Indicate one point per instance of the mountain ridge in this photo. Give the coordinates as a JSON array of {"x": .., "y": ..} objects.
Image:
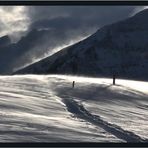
[{"x": 114, "y": 48}]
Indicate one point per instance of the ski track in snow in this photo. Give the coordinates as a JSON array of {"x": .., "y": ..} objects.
[
  {"x": 41, "y": 108},
  {"x": 123, "y": 105},
  {"x": 31, "y": 112},
  {"x": 79, "y": 110}
]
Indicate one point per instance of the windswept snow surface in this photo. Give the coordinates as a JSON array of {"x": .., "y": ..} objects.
[{"x": 45, "y": 108}]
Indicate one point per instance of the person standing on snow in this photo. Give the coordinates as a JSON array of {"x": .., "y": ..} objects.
[
  {"x": 73, "y": 84},
  {"x": 114, "y": 78}
]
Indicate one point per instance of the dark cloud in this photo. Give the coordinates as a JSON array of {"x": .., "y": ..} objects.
[
  {"x": 84, "y": 18},
  {"x": 97, "y": 15},
  {"x": 72, "y": 21}
]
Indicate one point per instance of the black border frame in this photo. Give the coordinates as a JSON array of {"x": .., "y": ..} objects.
[
  {"x": 73, "y": 3},
  {"x": 71, "y": 144}
]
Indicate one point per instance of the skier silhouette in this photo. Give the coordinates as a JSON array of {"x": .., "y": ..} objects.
[
  {"x": 73, "y": 84},
  {"x": 114, "y": 78}
]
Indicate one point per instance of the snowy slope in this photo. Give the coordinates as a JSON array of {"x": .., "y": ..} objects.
[
  {"x": 46, "y": 108},
  {"x": 119, "y": 48}
]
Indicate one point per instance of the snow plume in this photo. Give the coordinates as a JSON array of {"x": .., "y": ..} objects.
[
  {"x": 138, "y": 9},
  {"x": 35, "y": 58},
  {"x": 13, "y": 19},
  {"x": 75, "y": 18},
  {"x": 68, "y": 23},
  {"x": 67, "y": 44}
]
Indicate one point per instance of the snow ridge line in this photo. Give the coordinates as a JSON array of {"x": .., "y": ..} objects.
[{"x": 79, "y": 111}]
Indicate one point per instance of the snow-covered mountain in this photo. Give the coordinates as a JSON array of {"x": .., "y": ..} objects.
[
  {"x": 45, "y": 108},
  {"x": 119, "y": 48}
]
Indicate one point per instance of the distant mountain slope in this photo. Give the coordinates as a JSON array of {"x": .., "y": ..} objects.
[
  {"x": 4, "y": 41},
  {"x": 16, "y": 54},
  {"x": 37, "y": 42},
  {"x": 119, "y": 48}
]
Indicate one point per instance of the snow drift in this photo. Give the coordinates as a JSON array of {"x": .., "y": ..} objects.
[{"x": 46, "y": 108}]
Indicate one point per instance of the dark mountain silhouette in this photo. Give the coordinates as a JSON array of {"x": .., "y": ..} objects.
[
  {"x": 119, "y": 48},
  {"x": 16, "y": 54},
  {"x": 5, "y": 41}
]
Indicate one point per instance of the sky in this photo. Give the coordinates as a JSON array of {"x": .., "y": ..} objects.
[{"x": 71, "y": 20}]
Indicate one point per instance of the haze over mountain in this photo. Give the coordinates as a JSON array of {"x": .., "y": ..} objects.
[
  {"x": 15, "y": 54},
  {"x": 39, "y": 31},
  {"x": 38, "y": 42},
  {"x": 119, "y": 48},
  {"x": 35, "y": 44}
]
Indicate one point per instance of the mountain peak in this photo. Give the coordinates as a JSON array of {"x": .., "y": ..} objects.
[
  {"x": 142, "y": 14},
  {"x": 140, "y": 19}
]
